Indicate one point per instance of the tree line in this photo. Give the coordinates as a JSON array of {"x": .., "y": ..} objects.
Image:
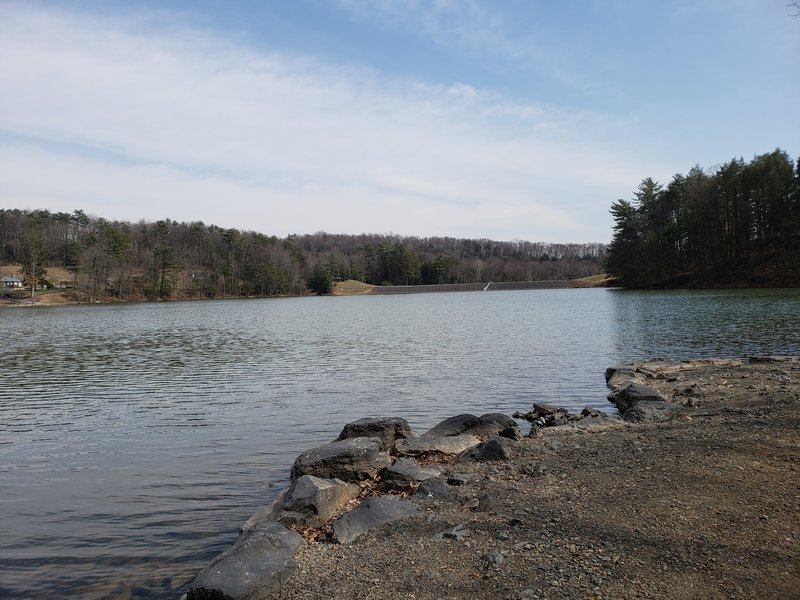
[
  {"x": 738, "y": 224},
  {"x": 167, "y": 259}
]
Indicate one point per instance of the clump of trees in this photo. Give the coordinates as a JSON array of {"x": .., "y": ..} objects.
[
  {"x": 404, "y": 260},
  {"x": 737, "y": 225},
  {"x": 167, "y": 259}
]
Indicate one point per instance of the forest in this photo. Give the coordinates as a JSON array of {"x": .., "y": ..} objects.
[
  {"x": 109, "y": 260},
  {"x": 737, "y": 225}
]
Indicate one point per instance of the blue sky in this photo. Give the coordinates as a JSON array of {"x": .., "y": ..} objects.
[{"x": 506, "y": 119}]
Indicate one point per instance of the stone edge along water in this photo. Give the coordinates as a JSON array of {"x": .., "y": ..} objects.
[{"x": 362, "y": 480}]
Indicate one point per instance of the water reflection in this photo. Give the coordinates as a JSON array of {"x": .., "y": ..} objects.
[{"x": 685, "y": 324}]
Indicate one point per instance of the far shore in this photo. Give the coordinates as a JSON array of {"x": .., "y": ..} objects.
[{"x": 340, "y": 288}]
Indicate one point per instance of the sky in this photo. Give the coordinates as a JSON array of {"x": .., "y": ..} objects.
[{"x": 500, "y": 119}]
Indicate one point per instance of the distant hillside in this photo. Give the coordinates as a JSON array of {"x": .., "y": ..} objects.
[{"x": 166, "y": 259}]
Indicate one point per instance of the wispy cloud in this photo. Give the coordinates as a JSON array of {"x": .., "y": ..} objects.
[
  {"x": 466, "y": 23},
  {"x": 128, "y": 119},
  {"x": 475, "y": 27}
]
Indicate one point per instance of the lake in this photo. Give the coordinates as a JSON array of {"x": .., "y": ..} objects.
[{"x": 136, "y": 438}]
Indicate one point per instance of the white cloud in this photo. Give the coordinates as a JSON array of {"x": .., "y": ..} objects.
[
  {"x": 475, "y": 27},
  {"x": 467, "y": 24},
  {"x": 130, "y": 120}
]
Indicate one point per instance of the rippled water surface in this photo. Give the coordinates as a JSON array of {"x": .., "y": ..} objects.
[{"x": 134, "y": 439}]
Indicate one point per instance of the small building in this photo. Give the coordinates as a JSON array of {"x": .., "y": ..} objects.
[{"x": 10, "y": 282}]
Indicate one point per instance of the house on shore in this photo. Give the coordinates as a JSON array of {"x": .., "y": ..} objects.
[{"x": 9, "y": 283}]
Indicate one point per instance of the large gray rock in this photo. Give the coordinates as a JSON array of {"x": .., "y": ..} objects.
[
  {"x": 484, "y": 426},
  {"x": 456, "y": 434},
  {"x": 454, "y": 425},
  {"x": 544, "y": 410},
  {"x": 436, "y": 488},
  {"x": 353, "y": 459},
  {"x": 649, "y": 411},
  {"x": 619, "y": 376},
  {"x": 372, "y": 513},
  {"x": 308, "y": 501},
  {"x": 491, "y": 424},
  {"x": 496, "y": 448},
  {"x": 387, "y": 429},
  {"x": 626, "y": 370},
  {"x": 404, "y": 472},
  {"x": 253, "y": 568},
  {"x": 436, "y": 444},
  {"x": 633, "y": 393},
  {"x": 639, "y": 402},
  {"x": 512, "y": 433}
]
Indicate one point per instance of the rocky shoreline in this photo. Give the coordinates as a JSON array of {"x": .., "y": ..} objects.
[{"x": 691, "y": 492}]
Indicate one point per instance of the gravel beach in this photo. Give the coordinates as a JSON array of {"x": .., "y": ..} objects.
[{"x": 703, "y": 504}]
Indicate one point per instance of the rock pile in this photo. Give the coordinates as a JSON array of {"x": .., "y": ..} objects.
[
  {"x": 637, "y": 400},
  {"x": 552, "y": 419},
  {"x": 336, "y": 489},
  {"x": 569, "y": 516}
]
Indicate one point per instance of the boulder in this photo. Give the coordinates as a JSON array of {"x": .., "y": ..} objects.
[
  {"x": 625, "y": 370},
  {"x": 267, "y": 513},
  {"x": 546, "y": 409},
  {"x": 496, "y": 448},
  {"x": 649, "y": 411},
  {"x": 484, "y": 426},
  {"x": 639, "y": 402},
  {"x": 308, "y": 501},
  {"x": 621, "y": 375},
  {"x": 592, "y": 412},
  {"x": 633, "y": 393},
  {"x": 623, "y": 378},
  {"x": 406, "y": 471},
  {"x": 436, "y": 488},
  {"x": 436, "y": 444},
  {"x": 253, "y": 568},
  {"x": 372, "y": 513},
  {"x": 489, "y": 425},
  {"x": 512, "y": 433},
  {"x": 387, "y": 429},
  {"x": 354, "y": 459},
  {"x": 456, "y": 434},
  {"x": 459, "y": 478},
  {"x": 454, "y": 425}
]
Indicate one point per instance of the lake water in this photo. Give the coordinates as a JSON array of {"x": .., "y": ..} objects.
[{"x": 135, "y": 439}]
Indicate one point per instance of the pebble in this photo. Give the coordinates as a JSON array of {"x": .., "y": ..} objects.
[
  {"x": 493, "y": 558},
  {"x": 455, "y": 533}
]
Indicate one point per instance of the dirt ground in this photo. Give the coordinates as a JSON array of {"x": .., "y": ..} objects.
[
  {"x": 703, "y": 505},
  {"x": 351, "y": 287}
]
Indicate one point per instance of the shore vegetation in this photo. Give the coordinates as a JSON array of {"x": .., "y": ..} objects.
[
  {"x": 93, "y": 259},
  {"x": 735, "y": 225}
]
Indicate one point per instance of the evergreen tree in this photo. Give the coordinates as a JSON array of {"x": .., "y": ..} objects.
[{"x": 740, "y": 224}]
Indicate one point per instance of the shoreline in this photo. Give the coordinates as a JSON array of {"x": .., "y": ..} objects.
[
  {"x": 693, "y": 501},
  {"x": 60, "y": 299},
  {"x": 57, "y": 298}
]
